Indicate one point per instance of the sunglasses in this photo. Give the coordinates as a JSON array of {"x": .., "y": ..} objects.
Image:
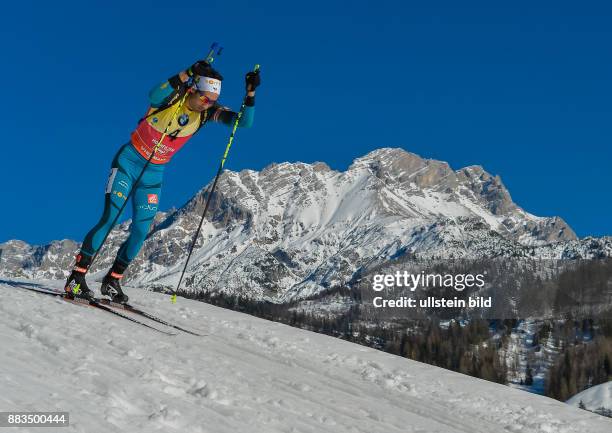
[{"x": 205, "y": 99}]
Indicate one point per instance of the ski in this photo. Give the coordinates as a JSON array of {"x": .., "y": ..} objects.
[
  {"x": 103, "y": 307},
  {"x": 84, "y": 302},
  {"x": 37, "y": 288},
  {"x": 110, "y": 304},
  {"x": 135, "y": 310}
]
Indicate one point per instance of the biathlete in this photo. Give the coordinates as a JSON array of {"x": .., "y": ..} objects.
[{"x": 203, "y": 85}]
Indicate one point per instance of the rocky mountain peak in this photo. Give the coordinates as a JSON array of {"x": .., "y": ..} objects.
[{"x": 294, "y": 229}]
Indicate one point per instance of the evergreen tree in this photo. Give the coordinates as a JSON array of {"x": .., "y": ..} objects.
[{"x": 528, "y": 376}]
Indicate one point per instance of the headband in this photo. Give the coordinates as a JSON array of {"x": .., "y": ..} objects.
[{"x": 208, "y": 84}]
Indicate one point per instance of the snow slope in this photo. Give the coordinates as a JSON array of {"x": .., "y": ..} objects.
[
  {"x": 595, "y": 397},
  {"x": 248, "y": 374}
]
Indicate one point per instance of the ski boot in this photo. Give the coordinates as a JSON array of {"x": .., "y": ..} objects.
[
  {"x": 76, "y": 285},
  {"x": 111, "y": 286}
]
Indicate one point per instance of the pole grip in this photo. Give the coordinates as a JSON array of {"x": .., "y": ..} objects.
[{"x": 210, "y": 57}]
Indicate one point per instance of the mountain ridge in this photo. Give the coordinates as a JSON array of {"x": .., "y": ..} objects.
[{"x": 292, "y": 230}]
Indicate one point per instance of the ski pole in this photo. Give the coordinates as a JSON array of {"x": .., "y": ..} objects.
[
  {"x": 209, "y": 58},
  {"x": 212, "y": 190}
]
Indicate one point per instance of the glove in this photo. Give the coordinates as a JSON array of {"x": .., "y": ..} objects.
[
  {"x": 201, "y": 67},
  {"x": 252, "y": 81}
]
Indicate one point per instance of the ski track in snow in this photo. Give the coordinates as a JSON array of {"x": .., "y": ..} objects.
[{"x": 248, "y": 374}]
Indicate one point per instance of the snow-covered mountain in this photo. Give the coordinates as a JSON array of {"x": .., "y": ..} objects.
[
  {"x": 596, "y": 397},
  {"x": 247, "y": 374},
  {"x": 295, "y": 229}
]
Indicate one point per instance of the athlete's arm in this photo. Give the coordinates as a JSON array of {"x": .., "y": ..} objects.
[
  {"x": 165, "y": 91},
  {"x": 228, "y": 117}
]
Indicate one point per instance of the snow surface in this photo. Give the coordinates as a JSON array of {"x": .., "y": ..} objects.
[
  {"x": 247, "y": 374},
  {"x": 595, "y": 397}
]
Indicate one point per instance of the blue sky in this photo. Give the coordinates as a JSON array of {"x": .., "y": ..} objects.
[{"x": 523, "y": 90}]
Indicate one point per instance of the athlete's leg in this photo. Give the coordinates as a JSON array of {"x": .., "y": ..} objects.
[
  {"x": 117, "y": 190},
  {"x": 145, "y": 202},
  {"x": 145, "y": 199}
]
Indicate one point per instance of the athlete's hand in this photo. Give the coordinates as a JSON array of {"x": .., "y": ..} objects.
[
  {"x": 252, "y": 81},
  {"x": 201, "y": 68}
]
